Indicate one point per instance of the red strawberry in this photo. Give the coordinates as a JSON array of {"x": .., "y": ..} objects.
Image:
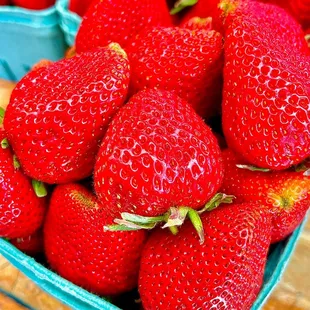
[
  {"x": 4, "y": 2},
  {"x": 79, "y": 6},
  {"x": 266, "y": 90},
  {"x": 34, "y": 4},
  {"x": 200, "y": 8},
  {"x": 186, "y": 62},
  {"x": 198, "y": 23},
  {"x": 119, "y": 21},
  {"x": 80, "y": 250},
  {"x": 157, "y": 154},
  {"x": 58, "y": 115},
  {"x": 31, "y": 245},
  {"x": 21, "y": 211},
  {"x": 285, "y": 193},
  {"x": 301, "y": 10},
  {"x": 225, "y": 272}
]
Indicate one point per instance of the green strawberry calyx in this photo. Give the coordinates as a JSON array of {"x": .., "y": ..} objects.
[
  {"x": 172, "y": 219},
  {"x": 39, "y": 188},
  {"x": 252, "y": 168},
  {"x": 2, "y": 112},
  {"x": 182, "y": 4}
]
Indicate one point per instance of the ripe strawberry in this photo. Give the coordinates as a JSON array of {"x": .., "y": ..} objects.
[
  {"x": 198, "y": 23},
  {"x": 31, "y": 245},
  {"x": 58, "y": 115},
  {"x": 285, "y": 193},
  {"x": 34, "y": 4},
  {"x": 21, "y": 211},
  {"x": 80, "y": 7},
  {"x": 202, "y": 8},
  {"x": 157, "y": 154},
  {"x": 266, "y": 88},
  {"x": 301, "y": 11},
  {"x": 119, "y": 21},
  {"x": 4, "y": 2},
  {"x": 80, "y": 250},
  {"x": 225, "y": 272},
  {"x": 186, "y": 62}
]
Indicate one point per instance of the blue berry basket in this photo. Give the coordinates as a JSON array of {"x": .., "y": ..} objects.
[
  {"x": 69, "y": 21},
  {"x": 30, "y": 36},
  {"x": 27, "y": 36}
]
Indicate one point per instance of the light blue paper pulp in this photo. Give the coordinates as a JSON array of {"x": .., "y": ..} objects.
[
  {"x": 27, "y": 36},
  {"x": 69, "y": 22}
]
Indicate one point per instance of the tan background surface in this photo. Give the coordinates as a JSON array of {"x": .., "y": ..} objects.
[{"x": 292, "y": 293}]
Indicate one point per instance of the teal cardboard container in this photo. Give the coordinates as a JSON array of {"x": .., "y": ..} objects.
[
  {"x": 26, "y": 36},
  {"x": 69, "y": 21},
  {"x": 77, "y": 298}
]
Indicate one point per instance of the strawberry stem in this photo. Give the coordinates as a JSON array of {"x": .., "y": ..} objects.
[
  {"x": 196, "y": 221},
  {"x": 174, "y": 230},
  {"x": 182, "y": 4}
]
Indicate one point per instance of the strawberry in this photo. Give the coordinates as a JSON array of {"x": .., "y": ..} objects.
[
  {"x": 4, "y": 2},
  {"x": 285, "y": 193},
  {"x": 266, "y": 89},
  {"x": 79, "y": 7},
  {"x": 157, "y": 154},
  {"x": 31, "y": 245},
  {"x": 119, "y": 21},
  {"x": 80, "y": 250},
  {"x": 186, "y": 62},
  {"x": 21, "y": 211},
  {"x": 300, "y": 9},
  {"x": 34, "y": 4},
  {"x": 225, "y": 272},
  {"x": 198, "y": 23},
  {"x": 190, "y": 9},
  {"x": 58, "y": 114}
]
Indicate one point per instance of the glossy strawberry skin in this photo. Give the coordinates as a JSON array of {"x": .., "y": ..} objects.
[
  {"x": 225, "y": 272},
  {"x": 31, "y": 245},
  {"x": 198, "y": 23},
  {"x": 21, "y": 211},
  {"x": 285, "y": 193},
  {"x": 58, "y": 115},
  {"x": 119, "y": 21},
  {"x": 34, "y": 4},
  {"x": 300, "y": 9},
  {"x": 186, "y": 62},
  {"x": 79, "y": 6},
  {"x": 157, "y": 153},
  {"x": 78, "y": 248},
  {"x": 266, "y": 91},
  {"x": 203, "y": 9}
]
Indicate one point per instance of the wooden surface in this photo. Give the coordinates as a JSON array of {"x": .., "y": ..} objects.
[{"x": 292, "y": 293}]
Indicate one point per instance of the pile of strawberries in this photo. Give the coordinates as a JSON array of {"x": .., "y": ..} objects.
[{"x": 114, "y": 157}]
